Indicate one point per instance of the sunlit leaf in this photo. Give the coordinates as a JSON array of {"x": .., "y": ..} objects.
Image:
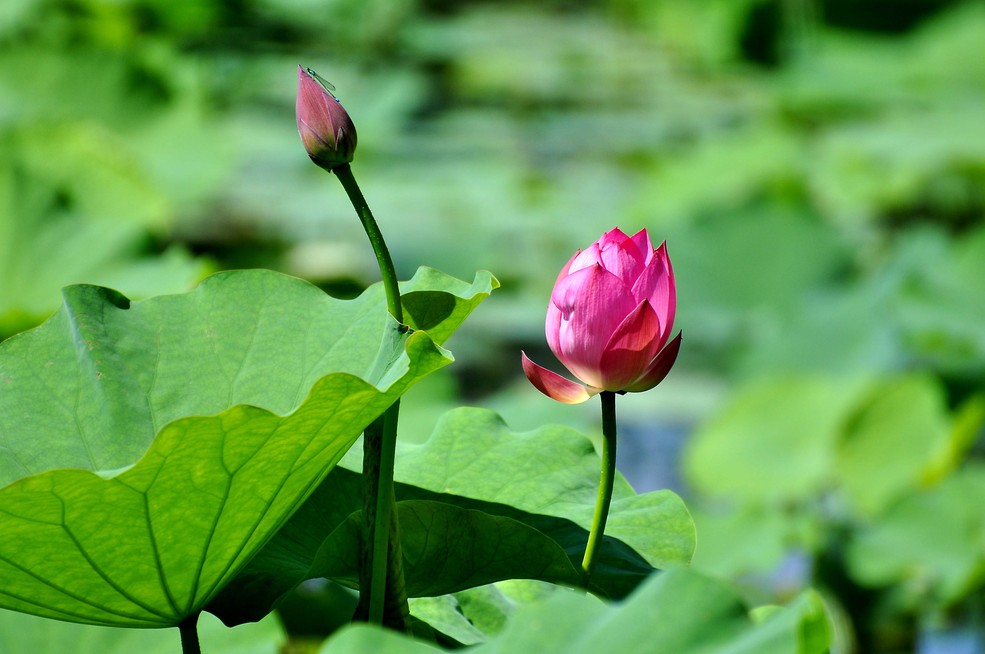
[
  {"x": 773, "y": 442},
  {"x": 930, "y": 542},
  {"x": 677, "y": 611},
  {"x": 139, "y": 509},
  {"x": 906, "y": 417},
  {"x": 940, "y": 305},
  {"x": 552, "y": 471},
  {"x": 473, "y": 615},
  {"x": 477, "y": 484},
  {"x": 737, "y": 543},
  {"x": 22, "y": 633},
  {"x": 78, "y": 243}
]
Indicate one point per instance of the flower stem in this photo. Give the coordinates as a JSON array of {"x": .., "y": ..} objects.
[
  {"x": 385, "y": 583},
  {"x": 387, "y": 598},
  {"x": 606, "y": 481},
  {"x": 189, "y": 635},
  {"x": 387, "y": 271}
]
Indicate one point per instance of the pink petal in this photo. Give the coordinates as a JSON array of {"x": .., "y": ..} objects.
[
  {"x": 554, "y": 385},
  {"x": 658, "y": 369},
  {"x": 656, "y": 284},
  {"x": 312, "y": 108},
  {"x": 584, "y": 259},
  {"x": 592, "y": 302},
  {"x": 631, "y": 348},
  {"x": 642, "y": 241},
  {"x": 614, "y": 235},
  {"x": 623, "y": 260},
  {"x": 552, "y": 327}
]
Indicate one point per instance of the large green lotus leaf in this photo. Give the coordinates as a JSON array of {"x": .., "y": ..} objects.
[
  {"x": 551, "y": 471},
  {"x": 28, "y": 634},
  {"x": 85, "y": 244},
  {"x": 152, "y": 545},
  {"x": 103, "y": 367},
  {"x": 939, "y": 306},
  {"x": 932, "y": 540},
  {"x": 472, "y": 616},
  {"x": 773, "y": 443},
  {"x": 746, "y": 540},
  {"x": 475, "y": 483},
  {"x": 438, "y": 304},
  {"x": 678, "y": 611},
  {"x": 906, "y": 416},
  {"x": 448, "y": 548}
]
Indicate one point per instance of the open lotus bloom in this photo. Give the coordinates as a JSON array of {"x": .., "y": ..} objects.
[{"x": 610, "y": 319}]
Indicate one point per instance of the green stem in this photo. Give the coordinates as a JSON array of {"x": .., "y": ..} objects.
[
  {"x": 605, "y": 484},
  {"x": 189, "y": 635},
  {"x": 395, "y": 610},
  {"x": 387, "y": 271},
  {"x": 385, "y": 584},
  {"x": 384, "y": 514}
]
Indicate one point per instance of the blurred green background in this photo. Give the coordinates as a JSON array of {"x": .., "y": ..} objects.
[{"x": 816, "y": 166}]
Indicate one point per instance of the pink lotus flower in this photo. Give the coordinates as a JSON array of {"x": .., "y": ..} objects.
[
  {"x": 325, "y": 127},
  {"x": 609, "y": 320}
]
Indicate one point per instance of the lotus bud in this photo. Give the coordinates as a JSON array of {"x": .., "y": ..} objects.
[
  {"x": 325, "y": 127},
  {"x": 609, "y": 320}
]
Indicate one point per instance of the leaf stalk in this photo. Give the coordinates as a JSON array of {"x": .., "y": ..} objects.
[{"x": 188, "y": 629}]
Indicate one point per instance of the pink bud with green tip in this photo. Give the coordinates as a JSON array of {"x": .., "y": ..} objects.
[
  {"x": 325, "y": 127},
  {"x": 609, "y": 320}
]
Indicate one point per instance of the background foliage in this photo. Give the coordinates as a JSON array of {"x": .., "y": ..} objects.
[{"x": 817, "y": 167}]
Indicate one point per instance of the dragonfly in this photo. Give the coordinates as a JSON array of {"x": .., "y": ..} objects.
[{"x": 328, "y": 86}]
